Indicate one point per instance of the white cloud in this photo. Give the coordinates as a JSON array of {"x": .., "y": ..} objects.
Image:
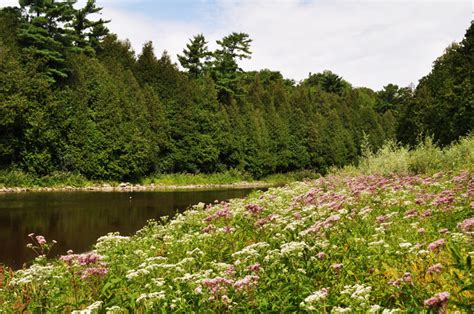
[
  {"x": 369, "y": 43},
  {"x": 170, "y": 36},
  {"x": 8, "y": 3}
]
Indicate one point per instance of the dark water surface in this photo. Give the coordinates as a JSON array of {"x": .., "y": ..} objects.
[{"x": 77, "y": 219}]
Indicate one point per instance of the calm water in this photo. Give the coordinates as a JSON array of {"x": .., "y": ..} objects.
[{"x": 77, "y": 219}]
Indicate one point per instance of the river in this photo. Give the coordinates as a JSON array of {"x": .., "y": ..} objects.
[{"x": 76, "y": 219}]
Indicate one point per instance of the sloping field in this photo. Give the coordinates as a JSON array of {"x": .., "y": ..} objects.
[{"x": 338, "y": 244}]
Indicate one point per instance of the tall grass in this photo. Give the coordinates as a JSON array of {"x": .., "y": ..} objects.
[
  {"x": 426, "y": 158},
  {"x": 19, "y": 178},
  {"x": 228, "y": 177}
]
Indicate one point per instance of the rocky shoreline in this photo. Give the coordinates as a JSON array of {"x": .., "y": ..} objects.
[{"x": 128, "y": 187}]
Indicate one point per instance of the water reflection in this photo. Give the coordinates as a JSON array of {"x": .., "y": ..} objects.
[{"x": 77, "y": 219}]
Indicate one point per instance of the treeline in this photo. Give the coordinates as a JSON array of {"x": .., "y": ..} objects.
[{"x": 75, "y": 98}]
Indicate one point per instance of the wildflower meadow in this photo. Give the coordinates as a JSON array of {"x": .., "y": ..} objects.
[{"x": 391, "y": 243}]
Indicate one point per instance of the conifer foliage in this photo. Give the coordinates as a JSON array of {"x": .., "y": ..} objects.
[{"x": 75, "y": 98}]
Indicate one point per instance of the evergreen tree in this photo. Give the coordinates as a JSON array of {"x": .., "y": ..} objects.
[
  {"x": 225, "y": 71},
  {"x": 88, "y": 33},
  {"x": 196, "y": 56}
]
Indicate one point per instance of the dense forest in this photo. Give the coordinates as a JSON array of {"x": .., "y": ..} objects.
[{"x": 75, "y": 98}]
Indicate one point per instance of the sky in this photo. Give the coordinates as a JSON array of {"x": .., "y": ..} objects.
[{"x": 369, "y": 43}]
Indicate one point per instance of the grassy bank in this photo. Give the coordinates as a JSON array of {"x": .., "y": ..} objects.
[
  {"x": 426, "y": 158},
  {"x": 357, "y": 241},
  {"x": 15, "y": 178}
]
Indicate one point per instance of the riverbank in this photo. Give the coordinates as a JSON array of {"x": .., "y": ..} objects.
[
  {"x": 16, "y": 181},
  {"x": 128, "y": 187}
]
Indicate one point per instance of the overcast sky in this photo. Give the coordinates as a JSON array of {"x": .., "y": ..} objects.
[{"x": 369, "y": 43}]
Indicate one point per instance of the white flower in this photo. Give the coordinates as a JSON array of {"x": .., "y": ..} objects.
[
  {"x": 292, "y": 248},
  {"x": 357, "y": 292},
  {"x": 35, "y": 274},
  {"x": 375, "y": 308},
  {"x": 376, "y": 243},
  {"x": 93, "y": 308},
  {"x": 114, "y": 310},
  {"x": 405, "y": 245},
  {"x": 251, "y": 250},
  {"x": 422, "y": 252},
  {"x": 313, "y": 299},
  {"x": 341, "y": 310},
  {"x": 317, "y": 295},
  {"x": 131, "y": 274},
  {"x": 151, "y": 296}
]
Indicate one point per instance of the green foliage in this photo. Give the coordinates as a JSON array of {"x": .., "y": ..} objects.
[
  {"x": 196, "y": 56},
  {"x": 328, "y": 82},
  {"x": 183, "y": 179},
  {"x": 443, "y": 104},
  {"x": 75, "y": 98},
  {"x": 19, "y": 178},
  {"x": 425, "y": 158},
  {"x": 225, "y": 70},
  {"x": 50, "y": 30}
]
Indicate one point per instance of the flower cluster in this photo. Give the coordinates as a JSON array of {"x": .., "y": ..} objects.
[
  {"x": 311, "y": 300},
  {"x": 90, "y": 264},
  {"x": 365, "y": 241}
]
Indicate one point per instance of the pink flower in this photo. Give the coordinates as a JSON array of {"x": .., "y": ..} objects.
[
  {"x": 467, "y": 224},
  {"x": 421, "y": 230},
  {"x": 443, "y": 296},
  {"x": 431, "y": 302},
  {"x": 263, "y": 221},
  {"x": 297, "y": 215},
  {"x": 411, "y": 213},
  {"x": 381, "y": 219},
  {"x": 228, "y": 229},
  {"x": 68, "y": 259},
  {"x": 221, "y": 213},
  {"x": 254, "y": 267},
  {"x": 407, "y": 278},
  {"x": 395, "y": 283},
  {"x": 88, "y": 258},
  {"x": 436, "y": 245},
  {"x": 215, "y": 285},
  {"x": 230, "y": 271},
  {"x": 209, "y": 228},
  {"x": 246, "y": 283},
  {"x": 336, "y": 267},
  {"x": 81, "y": 259},
  {"x": 439, "y": 300},
  {"x": 254, "y": 209},
  {"x": 443, "y": 231},
  {"x": 226, "y": 300},
  {"x": 41, "y": 240},
  {"x": 427, "y": 213},
  {"x": 321, "y": 255},
  {"x": 436, "y": 268},
  {"x": 99, "y": 271}
]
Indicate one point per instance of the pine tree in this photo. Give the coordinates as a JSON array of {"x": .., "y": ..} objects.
[
  {"x": 195, "y": 57},
  {"x": 88, "y": 33},
  {"x": 225, "y": 70}
]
